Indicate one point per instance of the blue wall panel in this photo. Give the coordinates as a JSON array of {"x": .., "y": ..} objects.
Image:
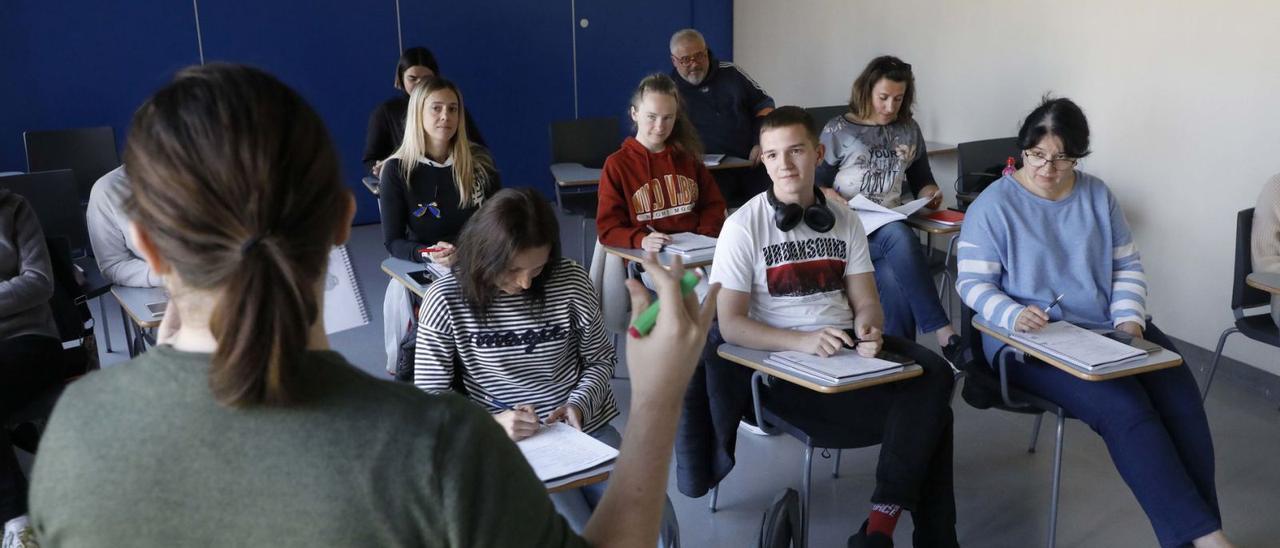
[
  {"x": 78, "y": 63},
  {"x": 339, "y": 54},
  {"x": 513, "y": 60},
  {"x": 714, "y": 19}
]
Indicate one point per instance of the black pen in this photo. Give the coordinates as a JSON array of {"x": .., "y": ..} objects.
[
  {"x": 1054, "y": 303},
  {"x": 507, "y": 407}
]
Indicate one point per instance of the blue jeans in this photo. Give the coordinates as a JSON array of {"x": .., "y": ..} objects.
[
  {"x": 576, "y": 505},
  {"x": 907, "y": 292},
  {"x": 1156, "y": 431}
]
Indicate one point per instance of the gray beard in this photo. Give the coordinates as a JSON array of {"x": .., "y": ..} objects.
[{"x": 693, "y": 82}]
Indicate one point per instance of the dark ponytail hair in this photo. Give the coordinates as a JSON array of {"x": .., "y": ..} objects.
[
  {"x": 684, "y": 137},
  {"x": 1060, "y": 117},
  {"x": 236, "y": 182},
  {"x": 415, "y": 57}
]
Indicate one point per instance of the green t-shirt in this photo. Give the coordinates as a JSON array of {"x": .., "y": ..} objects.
[{"x": 141, "y": 455}]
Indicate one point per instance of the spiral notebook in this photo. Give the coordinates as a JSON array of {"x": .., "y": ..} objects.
[{"x": 344, "y": 306}]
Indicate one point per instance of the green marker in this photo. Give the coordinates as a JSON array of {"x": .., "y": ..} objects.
[{"x": 643, "y": 323}]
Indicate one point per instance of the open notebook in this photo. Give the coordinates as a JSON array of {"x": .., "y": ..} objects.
[
  {"x": 691, "y": 246},
  {"x": 560, "y": 454},
  {"x": 874, "y": 216},
  {"x": 344, "y": 306},
  {"x": 1080, "y": 347},
  {"x": 843, "y": 367}
]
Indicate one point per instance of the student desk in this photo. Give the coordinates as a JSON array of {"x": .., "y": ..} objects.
[
  {"x": 1266, "y": 281},
  {"x": 399, "y": 269},
  {"x": 933, "y": 228},
  {"x": 755, "y": 360},
  {"x": 1163, "y": 359},
  {"x": 134, "y": 310},
  {"x": 372, "y": 183},
  {"x": 638, "y": 255},
  {"x": 579, "y": 483},
  {"x": 938, "y": 147},
  {"x": 574, "y": 178}
]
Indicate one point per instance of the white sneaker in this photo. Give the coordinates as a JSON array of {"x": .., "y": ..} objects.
[{"x": 744, "y": 425}]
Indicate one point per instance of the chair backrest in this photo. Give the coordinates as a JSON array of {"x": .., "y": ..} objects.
[
  {"x": 89, "y": 152},
  {"x": 608, "y": 276},
  {"x": 586, "y": 141},
  {"x": 980, "y": 162},
  {"x": 52, "y": 194},
  {"x": 822, "y": 115},
  {"x": 1242, "y": 294}
]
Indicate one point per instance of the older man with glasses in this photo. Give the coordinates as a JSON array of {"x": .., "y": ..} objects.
[{"x": 726, "y": 107}]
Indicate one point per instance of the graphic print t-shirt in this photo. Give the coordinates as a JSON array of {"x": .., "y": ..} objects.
[
  {"x": 796, "y": 278},
  {"x": 874, "y": 160}
]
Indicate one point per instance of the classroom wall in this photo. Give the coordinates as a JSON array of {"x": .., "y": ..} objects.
[
  {"x": 1182, "y": 98},
  {"x": 78, "y": 63}
]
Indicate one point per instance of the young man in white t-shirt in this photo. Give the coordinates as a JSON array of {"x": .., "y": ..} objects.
[{"x": 795, "y": 275}]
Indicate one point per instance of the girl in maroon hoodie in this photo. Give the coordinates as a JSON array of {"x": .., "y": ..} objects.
[{"x": 656, "y": 184}]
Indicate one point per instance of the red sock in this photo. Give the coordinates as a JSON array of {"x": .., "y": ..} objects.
[{"x": 884, "y": 518}]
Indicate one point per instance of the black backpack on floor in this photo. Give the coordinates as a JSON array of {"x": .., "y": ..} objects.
[{"x": 780, "y": 525}]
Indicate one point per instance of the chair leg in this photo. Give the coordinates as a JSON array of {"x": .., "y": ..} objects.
[
  {"x": 106, "y": 325},
  {"x": 128, "y": 337},
  {"x": 835, "y": 470},
  {"x": 804, "y": 496},
  {"x": 715, "y": 495},
  {"x": 1035, "y": 434},
  {"x": 1057, "y": 481},
  {"x": 1213, "y": 365}
]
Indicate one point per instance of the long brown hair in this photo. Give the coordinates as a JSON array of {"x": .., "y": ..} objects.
[
  {"x": 513, "y": 220},
  {"x": 684, "y": 137},
  {"x": 236, "y": 182},
  {"x": 472, "y": 164},
  {"x": 885, "y": 66}
]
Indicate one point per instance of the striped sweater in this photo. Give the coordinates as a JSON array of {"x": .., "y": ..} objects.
[
  {"x": 521, "y": 353},
  {"x": 1018, "y": 249}
]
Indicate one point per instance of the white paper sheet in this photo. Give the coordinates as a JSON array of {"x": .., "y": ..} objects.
[
  {"x": 874, "y": 216},
  {"x": 558, "y": 450}
]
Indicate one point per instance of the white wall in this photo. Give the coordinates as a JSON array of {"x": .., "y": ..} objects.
[{"x": 1183, "y": 99}]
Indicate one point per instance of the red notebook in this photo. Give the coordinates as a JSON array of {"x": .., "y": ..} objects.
[{"x": 946, "y": 217}]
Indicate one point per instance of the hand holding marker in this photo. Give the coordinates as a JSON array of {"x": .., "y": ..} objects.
[{"x": 643, "y": 323}]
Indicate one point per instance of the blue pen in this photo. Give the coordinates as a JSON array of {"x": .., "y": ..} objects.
[{"x": 506, "y": 406}]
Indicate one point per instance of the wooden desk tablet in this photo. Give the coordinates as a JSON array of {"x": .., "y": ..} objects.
[
  {"x": 755, "y": 360},
  {"x": 134, "y": 301},
  {"x": 937, "y": 147},
  {"x": 1266, "y": 281},
  {"x": 638, "y": 255},
  {"x": 574, "y": 175},
  {"x": 730, "y": 162},
  {"x": 931, "y": 226},
  {"x": 400, "y": 269},
  {"x": 579, "y": 483},
  {"x": 1163, "y": 359}
]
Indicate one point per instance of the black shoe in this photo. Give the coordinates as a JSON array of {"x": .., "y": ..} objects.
[
  {"x": 875, "y": 540},
  {"x": 954, "y": 351}
]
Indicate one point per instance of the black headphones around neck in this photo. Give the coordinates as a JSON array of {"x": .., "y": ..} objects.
[{"x": 788, "y": 216}]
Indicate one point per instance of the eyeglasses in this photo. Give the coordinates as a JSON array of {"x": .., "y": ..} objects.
[
  {"x": 691, "y": 58},
  {"x": 1037, "y": 160}
]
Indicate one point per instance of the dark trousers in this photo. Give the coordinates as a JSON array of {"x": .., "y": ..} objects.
[
  {"x": 1155, "y": 428},
  {"x": 29, "y": 365},
  {"x": 907, "y": 292},
  {"x": 911, "y": 419}
]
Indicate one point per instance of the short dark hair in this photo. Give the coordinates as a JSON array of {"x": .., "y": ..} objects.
[
  {"x": 513, "y": 220},
  {"x": 790, "y": 116},
  {"x": 415, "y": 57},
  {"x": 1059, "y": 117},
  {"x": 883, "y": 67}
]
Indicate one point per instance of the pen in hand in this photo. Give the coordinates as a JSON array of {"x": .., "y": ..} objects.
[
  {"x": 507, "y": 407},
  {"x": 1054, "y": 303}
]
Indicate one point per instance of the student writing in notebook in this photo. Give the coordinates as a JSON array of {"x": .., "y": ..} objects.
[
  {"x": 517, "y": 328},
  {"x": 873, "y": 150},
  {"x": 242, "y": 427},
  {"x": 656, "y": 184},
  {"x": 1051, "y": 229},
  {"x": 796, "y": 275}
]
